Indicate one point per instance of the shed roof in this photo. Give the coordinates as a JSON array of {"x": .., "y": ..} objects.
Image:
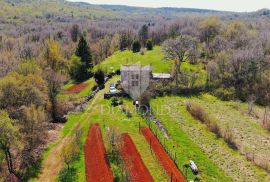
[{"x": 161, "y": 76}]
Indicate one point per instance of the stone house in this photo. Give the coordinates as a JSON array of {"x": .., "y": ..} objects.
[{"x": 135, "y": 79}]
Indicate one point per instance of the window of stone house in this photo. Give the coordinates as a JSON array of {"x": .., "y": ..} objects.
[
  {"x": 135, "y": 83},
  {"x": 135, "y": 76}
]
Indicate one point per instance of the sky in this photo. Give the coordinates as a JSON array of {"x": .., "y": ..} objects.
[{"x": 227, "y": 5}]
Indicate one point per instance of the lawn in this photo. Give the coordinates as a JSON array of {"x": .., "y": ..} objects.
[
  {"x": 154, "y": 57},
  {"x": 193, "y": 140}
]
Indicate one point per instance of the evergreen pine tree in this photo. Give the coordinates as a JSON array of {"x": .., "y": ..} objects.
[{"x": 84, "y": 53}]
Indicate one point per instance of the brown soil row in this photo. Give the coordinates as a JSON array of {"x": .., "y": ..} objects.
[
  {"x": 97, "y": 167},
  {"x": 163, "y": 157},
  {"x": 75, "y": 89},
  {"x": 132, "y": 159}
]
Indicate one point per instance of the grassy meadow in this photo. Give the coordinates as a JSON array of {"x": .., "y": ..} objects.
[{"x": 195, "y": 141}]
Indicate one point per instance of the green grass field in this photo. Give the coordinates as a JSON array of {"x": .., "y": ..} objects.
[
  {"x": 194, "y": 141},
  {"x": 249, "y": 135},
  {"x": 154, "y": 57}
]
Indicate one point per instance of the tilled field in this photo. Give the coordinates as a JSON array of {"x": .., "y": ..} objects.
[
  {"x": 132, "y": 159},
  {"x": 75, "y": 89},
  {"x": 162, "y": 156},
  {"x": 97, "y": 168}
]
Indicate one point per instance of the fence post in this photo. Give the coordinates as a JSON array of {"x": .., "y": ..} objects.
[{"x": 151, "y": 145}]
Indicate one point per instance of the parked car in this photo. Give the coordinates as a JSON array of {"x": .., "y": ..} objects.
[{"x": 112, "y": 88}]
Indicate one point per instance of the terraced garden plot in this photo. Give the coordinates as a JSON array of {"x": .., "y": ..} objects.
[
  {"x": 78, "y": 89},
  {"x": 132, "y": 159},
  {"x": 162, "y": 156},
  {"x": 75, "y": 89},
  {"x": 251, "y": 138},
  {"x": 97, "y": 168},
  {"x": 178, "y": 121}
]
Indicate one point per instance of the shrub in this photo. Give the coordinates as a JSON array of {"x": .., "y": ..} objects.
[
  {"x": 101, "y": 86},
  {"x": 99, "y": 77},
  {"x": 228, "y": 137},
  {"x": 225, "y": 93},
  {"x": 197, "y": 112},
  {"x": 215, "y": 129},
  {"x": 118, "y": 72},
  {"x": 127, "y": 112},
  {"x": 114, "y": 101},
  {"x": 149, "y": 45},
  {"x": 121, "y": 102},
  {"x": 94, "y": 87},
  {"x": 136, "y": 46}
]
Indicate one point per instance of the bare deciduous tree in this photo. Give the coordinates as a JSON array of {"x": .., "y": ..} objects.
[{"x": 179, "y": 49}]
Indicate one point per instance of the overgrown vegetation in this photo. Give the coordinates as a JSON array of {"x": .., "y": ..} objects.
[
  {"x": 197, "y": 112},
  {"x": 114, "y": 157}
]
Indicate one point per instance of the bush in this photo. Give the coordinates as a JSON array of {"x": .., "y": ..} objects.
[
  {"x": 136, "y": 46},
  {"x": 121, "y": 102},
  {"x": 101, "y": 86},
  {"x": 127, "y": 112},
  {"x": 225, "y": 93},
  {"x": 215, "y": 129},
  {"x": 94, "y": 87},
  {"x": 114, "y": 101},
  {"x": 99, "y": 77},
  {"x": 149, "y": 45},
  {"x": 117, "y": 72},
  {"x": 228, "y": 137},
  {"x": 197, "y": 112}
]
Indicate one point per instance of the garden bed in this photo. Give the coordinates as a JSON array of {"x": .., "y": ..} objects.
[
  {"x": 162, "y": 156},
  {"x": 133, "y": 162},
  {"x": 97, "y": 168},
  {"x": 75, "y": 89}
]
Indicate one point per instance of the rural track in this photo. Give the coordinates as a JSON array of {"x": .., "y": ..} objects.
[{"x": 53, "y": 164}]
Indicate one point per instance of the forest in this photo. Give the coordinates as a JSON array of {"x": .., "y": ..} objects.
[{"x": 46, "y": 44}]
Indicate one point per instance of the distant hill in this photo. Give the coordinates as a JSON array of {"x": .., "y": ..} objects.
[
  {"x": 63, "y": 8},
  {"x": 133, "y": 9}
]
